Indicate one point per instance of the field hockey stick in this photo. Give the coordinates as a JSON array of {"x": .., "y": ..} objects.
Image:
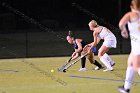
[
  {"x": 64, "y": 70},
  {"x": 62, "y": 67}
]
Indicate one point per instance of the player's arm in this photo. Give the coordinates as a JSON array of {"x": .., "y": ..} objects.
[
  {"x": 89, "y": 46},
  {"x": 98, "y": 40},
  {"x": 122, "y": 25},
  {"x": 94, "y": 43},
  {"x": 79, "y": 50},
  {"x": 75, "y": 55}
]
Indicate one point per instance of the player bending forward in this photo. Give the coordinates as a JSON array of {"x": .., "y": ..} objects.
[
  {"x": 78, "y": 45},
  {"x": 100, "y": 32}
]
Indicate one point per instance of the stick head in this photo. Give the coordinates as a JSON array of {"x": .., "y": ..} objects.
[
  {"x": 60, "y": 69},
  {"x": 64, "y": 70}
]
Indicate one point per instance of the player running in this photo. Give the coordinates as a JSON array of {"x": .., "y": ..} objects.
[{"x": 132, "y": 18}]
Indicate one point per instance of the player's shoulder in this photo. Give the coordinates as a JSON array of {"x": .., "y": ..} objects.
[
  {"x": 128, "y": 14},
  {"x": 78, "y": 40},
  {"x": 98, "y": 29},
  {"x": 132, "y": 13},
  {"x": 95, "y": 33}
]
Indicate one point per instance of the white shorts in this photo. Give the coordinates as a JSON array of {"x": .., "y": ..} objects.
[
  {"x": 135, "y": 47},
  {"x": 110, "y": 43}
]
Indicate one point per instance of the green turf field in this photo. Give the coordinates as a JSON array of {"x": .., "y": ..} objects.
[{"x": 33, "y": 75}]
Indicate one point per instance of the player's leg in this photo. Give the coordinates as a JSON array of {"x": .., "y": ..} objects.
[
  {"x": 129, "y": 76},
  {"x": 138, "y": 69},
  {"x": 83, "y": 62},
  {"x": 103, "y": 49},
  {"x": 136, "y": 63},
  {"x": 110, "y": 59},
  {"x": 90, "y": 57}
]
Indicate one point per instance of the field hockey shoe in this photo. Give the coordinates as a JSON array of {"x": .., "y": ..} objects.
[
  {"x": 108, "y": 69},
  {"x": 112, "y": 63},
  {"x": 122, "y": 90},
  {"x": 98, "y": 68},
  {"x": 82, "y": 69}
]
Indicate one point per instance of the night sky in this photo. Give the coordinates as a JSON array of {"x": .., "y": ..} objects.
[{"x": 65, "y": 14}]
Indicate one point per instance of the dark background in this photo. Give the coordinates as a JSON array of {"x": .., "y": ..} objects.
[
  {"x": 66, "y": 15},
  {"x": 19, "y": 37}
]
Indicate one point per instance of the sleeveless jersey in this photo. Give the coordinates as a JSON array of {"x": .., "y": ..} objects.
[
  {"x": 134, "y": 31},
  {"x": 106, "y": 34},
  {"x": 108, "y": 37},
  {"x": 83, "y": 45},
  {"x": 76, "y": 46}
]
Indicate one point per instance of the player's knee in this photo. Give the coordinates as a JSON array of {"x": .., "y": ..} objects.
[
  {"x": 90, "y": 60},
  {"x": 99, "y": 55},
  {"x": 83, "y": 52}
]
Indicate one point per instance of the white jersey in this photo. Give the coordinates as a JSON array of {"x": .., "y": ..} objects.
[
  {"x": 134, "y": 31},
  {"x": 108, "y": 37}
]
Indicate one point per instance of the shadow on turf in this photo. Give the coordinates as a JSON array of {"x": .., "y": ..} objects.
[
  {"x": 8, "y": 70},
  {"x": 107, "y": 79},
  {"x": 33, "y": 66},
  {"x": 60, "y": 81}
]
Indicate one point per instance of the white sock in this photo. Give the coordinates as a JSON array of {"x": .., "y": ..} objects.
[
  {"x": 105, "y": 61},
  {"x": 109, "y": 58},
  {"x": 129, "y": 77}
]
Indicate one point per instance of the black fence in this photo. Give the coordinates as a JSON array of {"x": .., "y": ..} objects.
[
  {"x": 22, "y": 36},
  {"x": 36, "y": 43}
]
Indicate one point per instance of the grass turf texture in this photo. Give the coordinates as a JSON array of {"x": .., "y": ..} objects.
[{"x": 33, "y": 75}]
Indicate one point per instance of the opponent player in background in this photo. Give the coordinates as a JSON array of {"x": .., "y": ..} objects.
[
  {"x": 100, "y": 32},
  {"x": 132, "y": 19},
  {"x": 78, "y": 45}
]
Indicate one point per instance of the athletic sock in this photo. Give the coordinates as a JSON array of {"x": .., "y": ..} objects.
[
  {"x": 129, "y": 77},
  {"x": 109, "y": 58},
  {"x": 105, "y": 62},
  {"x": 97, "y": 63},
  {"x": 83, "y": 62}
]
